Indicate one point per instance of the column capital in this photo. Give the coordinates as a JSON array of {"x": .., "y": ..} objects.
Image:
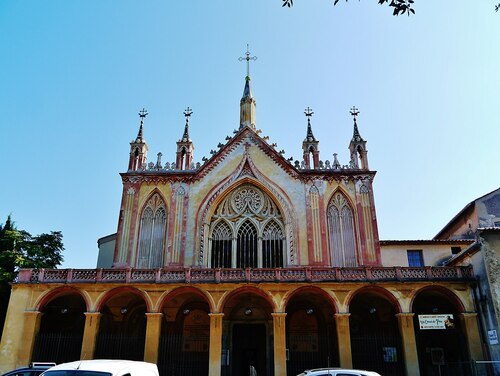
[
  {"x": 92, "y": 314},
  {"x": 154, "y": 314},
  {"x": 405, "y": 314},
  {"x": 33, "y": 313},
  {"x": 216, "y": 314},
  {"x": 342, "y": 315},
  {"x": 278, "y": 314},
  {"x": 468, "y": 314}
]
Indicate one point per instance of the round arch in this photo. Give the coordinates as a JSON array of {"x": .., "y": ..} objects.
[
  {"x": 440, "y": 291},
  {"x": 48, "y": 296},
  {"x": 289, "y": 295},
  {"x": 185, "y": 290},
  {"x": 244, "y": 290},
  {"x": 106, "y": 296},
  {"x": 375, "y": 291}
]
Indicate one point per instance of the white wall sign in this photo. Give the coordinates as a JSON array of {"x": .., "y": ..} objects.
[
  {"x": 445, "y": 321},
  {"x": 493, "y": 337}
]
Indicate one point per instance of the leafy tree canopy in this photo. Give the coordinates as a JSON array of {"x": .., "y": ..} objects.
[
  {"x": 20, "y": 249},
  {"x": 398, "y": 6}
]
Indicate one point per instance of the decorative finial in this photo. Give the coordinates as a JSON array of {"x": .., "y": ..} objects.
[
  {"x": 188, "y": 112},
  {"x": 248, "y": 58},
  {"x": 354, "y": 112},
  {"x": 308, "y": 112},
  {"x": 143, "y": 113},
  {"x": 356, "y": 136}
]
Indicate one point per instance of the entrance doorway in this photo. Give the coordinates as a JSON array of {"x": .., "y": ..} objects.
[{"x": 249, "y": 350}]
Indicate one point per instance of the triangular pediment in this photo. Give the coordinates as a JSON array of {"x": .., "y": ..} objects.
[{"x": 248, "y": 138}]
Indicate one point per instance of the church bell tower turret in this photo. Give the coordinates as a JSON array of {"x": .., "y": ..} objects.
[
  {"x": 138, "y": 147},
  {"x": 185, "y": 146},
  {"x": 310, "y": 144},
  {"x": 357, "y": 146}
]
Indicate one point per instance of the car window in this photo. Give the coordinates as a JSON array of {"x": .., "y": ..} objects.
[{"x": 76, "y": 372}]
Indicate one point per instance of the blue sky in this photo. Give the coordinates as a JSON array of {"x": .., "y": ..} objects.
[{"x": 74, "y": 74}]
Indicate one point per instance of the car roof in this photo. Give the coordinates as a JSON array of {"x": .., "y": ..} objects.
[
  {"x": 105, "y": 365},
  {"x": 340, "y": 369}
]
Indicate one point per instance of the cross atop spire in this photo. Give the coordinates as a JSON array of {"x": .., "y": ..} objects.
[
  {"x": 140, "y": 135},
  {"x": 355, "y": 112},
  {"x": 309, "y": 113},
  {"x": 248, "y": 58},
  {"x": 187, "y": 113}
]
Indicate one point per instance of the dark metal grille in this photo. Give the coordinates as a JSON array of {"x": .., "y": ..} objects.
[
  {"x": 221, "y": 246},
  {"x": 183, "y": 356},
  {"x": 57, "y": 347},
  {"x": 119, "y": 346},
  {"x": 246, "y": 254},
  {"x": 375, "y": 352},
  {"x": 317, "y": 352},
  {"x": 272, "y": 246}
]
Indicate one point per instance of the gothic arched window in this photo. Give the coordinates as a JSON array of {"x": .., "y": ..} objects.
[
  {"x": 152, "y": 234},
  {"x": 341, "y": 232},
  {"x": 272, "y": 246},
  {"x": 246, "y": 246},
  {"x": 221, "y": 246},
  {"x": 250, "y": 234}
]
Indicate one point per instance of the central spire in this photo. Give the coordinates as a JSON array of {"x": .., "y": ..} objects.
[{"x": 247, "y": 103}]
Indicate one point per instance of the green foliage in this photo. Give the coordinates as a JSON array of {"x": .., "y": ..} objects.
[
  {"x": 398, "y": 6},
  {"x": 19, "y": 249}
]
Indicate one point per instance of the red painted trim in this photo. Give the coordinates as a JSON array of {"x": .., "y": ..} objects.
[
  {"x": 120, "y": 222},
  {"x": 374, "y": 224},
  {"x": 306, "y": 290},
  {"x": 324, "y": 229},
  {"x": 248, "y": 289},
  {"x": 377, "y": 291},
  {"x": 310, "y": 242},
  {"x": 185, "y": 290},
  {"x": 58, "y": 292},
  {"x": 446, "y": 293},
  {"x": 134, "y": 291}
]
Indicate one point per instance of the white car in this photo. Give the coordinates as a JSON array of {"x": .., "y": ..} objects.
[
  {"x": 98, "y": 367},
  {"x": 338, "y": 372}
]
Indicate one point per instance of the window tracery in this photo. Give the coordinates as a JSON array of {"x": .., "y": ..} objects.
[
  {"x": 341, "y": 232},
  {"x": 152, "y": 233},
  {"x": 247, "y": 231}
]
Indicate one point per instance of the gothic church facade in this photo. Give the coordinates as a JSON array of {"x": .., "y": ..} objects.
[{"x": 246, "y": 259}]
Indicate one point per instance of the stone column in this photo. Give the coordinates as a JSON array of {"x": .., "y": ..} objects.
[
  {"x": 153, "y": 331},
  {"x": 279, "y": 343},
  {"x": 471, "y": 330},
  {"x": 32, "y": 321},
  {"x": 92, "y": 321},
  {"x": 215, "y": 351},
  {"x": 344, "y": 339},
  {"x": 407, "y": 330}
]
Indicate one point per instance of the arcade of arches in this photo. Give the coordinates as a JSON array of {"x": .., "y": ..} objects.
[{"x": 223, "y": 329}]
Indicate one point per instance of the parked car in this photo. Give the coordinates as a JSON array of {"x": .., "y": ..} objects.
[
  {"x": 337, "y": 372},
  {"x": 101, "y": 367},
  {"x": 34, "y": 369}
]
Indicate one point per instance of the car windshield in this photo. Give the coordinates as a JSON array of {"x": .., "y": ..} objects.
[{"x": 76, "y": 372}]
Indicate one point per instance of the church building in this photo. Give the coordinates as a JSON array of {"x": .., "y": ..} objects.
[{"x": 249, "y": 260}]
